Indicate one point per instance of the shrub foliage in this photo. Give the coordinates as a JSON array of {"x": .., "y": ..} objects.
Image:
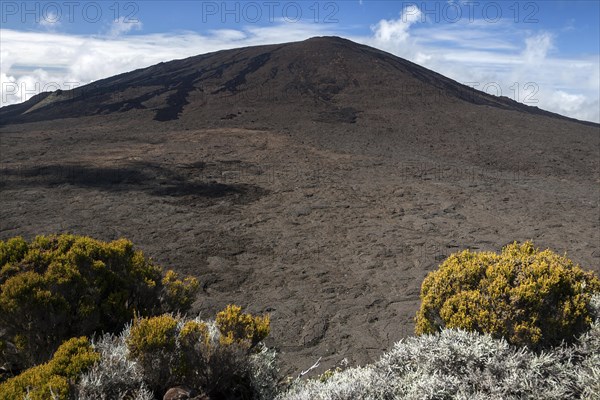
[
  {"x": 527, "y": 296},
  {"x": 477, "y": 312},
  {"x": 217, "y": 358},
  {"x": 54, "y": 379},
  {"x": 150, "y": 356},
  {"x": 455, "y": 364},
  {"x": 115, "y": 375},
  {"x": 63, "y": 286},
  {"x": 244, "y": 329}
]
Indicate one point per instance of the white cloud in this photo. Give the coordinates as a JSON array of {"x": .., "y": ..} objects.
[
  {"x": 497, "y": 56},
  {"x": 124, "y": 25},
  {"x": 48, "y": 60},
  {"x": 476, "y": 52},
  {"x": 574, "y": 105},
  {"x": 537, "y": 47},
  {"x": 229, "y": 34},
  {"x": 396, "y": 30},
  {"x": 50, "y": 21}
]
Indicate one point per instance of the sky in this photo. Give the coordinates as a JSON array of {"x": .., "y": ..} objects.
[{"x": 541, "y": 53}]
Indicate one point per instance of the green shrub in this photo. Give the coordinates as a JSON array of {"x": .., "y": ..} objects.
[
  {"x": 58, "y": 287},
  {"x": 529, "y": 297},
  {"x": 54, "y": 378}
]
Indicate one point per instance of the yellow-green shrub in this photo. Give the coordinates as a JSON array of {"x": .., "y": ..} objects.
[
  {"x": 238, "y": 327},
  {"x": 55, "y": 377},
  {"x": 215, "y": 358},
  {"x": 195, "y": 365},
  {"x": 529, "y": 297},
  {"x": 178, "y": 294},
  {"x": 150, "y": 334},
  {"x": 62, "y": 286},
  {"x": 194, "y": 331},
  {"x": 152, "y": 343}
]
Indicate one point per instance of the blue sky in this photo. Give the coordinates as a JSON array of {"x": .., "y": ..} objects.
[{"x": 544, "y": 53}]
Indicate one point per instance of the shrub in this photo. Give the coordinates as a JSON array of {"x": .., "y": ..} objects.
[
  {"x": 242, "y": 328},
  {"x": 178, "y": 294},
  {"x": 456, "y": 364},
  {"x": 115, "y": 376},
  {"x": 55, "y": 378},
  {"x": 57, "y": 287},
  {"x": 530, "y": 297},
  {"x": 223, "y": 358},
  {"x": 152, "y": 343},
  {"x": 150, "y": 334}
]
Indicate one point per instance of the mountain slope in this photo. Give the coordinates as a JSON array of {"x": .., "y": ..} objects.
[
  {"x": 318, "y": 181},
  {"x": 328, "y": 72}
]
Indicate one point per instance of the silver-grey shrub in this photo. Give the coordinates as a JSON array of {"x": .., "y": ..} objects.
[
  {"x": 452, "y": 364},
  {"x": 115, "y": 376},
  {"x": 456, "y": 364}
]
